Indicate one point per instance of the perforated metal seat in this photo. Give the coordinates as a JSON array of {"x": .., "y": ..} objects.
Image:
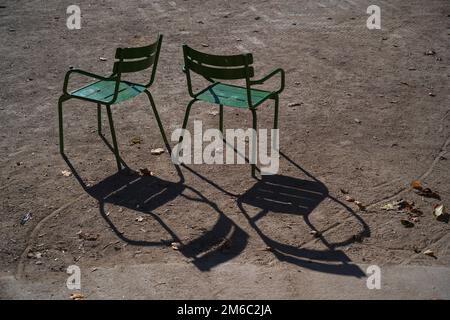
[
  {"x": 233, "y": 96},
  {"x": 103, "y": 91}
]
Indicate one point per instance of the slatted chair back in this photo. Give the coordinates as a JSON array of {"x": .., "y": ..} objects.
[
  {"x": 218, "y": 66},
  {"x": 137, "y": 59}
]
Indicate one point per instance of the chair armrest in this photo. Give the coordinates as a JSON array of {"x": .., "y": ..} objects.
[
  {"x": 82, "y": 72},
  {"x": 270, "y": 75}
]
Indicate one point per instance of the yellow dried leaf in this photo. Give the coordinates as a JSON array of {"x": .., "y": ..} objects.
[
  {"x": 136, "y": 140},
  {"x": 66, "y": 173},
  {"x": 76, "y": 296},
  {"x": 388, "y": 206},
  {"x": 416, "y": 185}
]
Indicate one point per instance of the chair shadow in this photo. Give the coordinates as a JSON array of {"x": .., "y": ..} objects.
[
  {"x": 144, "y": 194},
  {"x": 276, "y": 193},
  {"x": 288, "y": 195}
]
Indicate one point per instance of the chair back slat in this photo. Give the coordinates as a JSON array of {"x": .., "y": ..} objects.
[
  {"x": 136, "y": 53},
  {"x": 133, "y": 66},
  {"x": 218, "y": 61},
  {"x": 220, "y": 73}
]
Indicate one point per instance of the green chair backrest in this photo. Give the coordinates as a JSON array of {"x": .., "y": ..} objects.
[
  {"x": 138, "y": 59},
  {"x": 217, "y": 66}
]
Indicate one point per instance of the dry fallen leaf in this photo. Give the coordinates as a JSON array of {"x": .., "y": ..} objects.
[
  {"x": 145, "y": 172},
  {"x": 157, "y": 151},
  {"x": 416, "y": 185},
  {"x": 407, "y": 223},
  {"x": 349, "y": 199},
  {"x": 429, "y": 253},
  {"x": 88, "y": 236},
  {"x": 360, "y": 205},
  {"x": 415, "y": 212},
  {"x": 315, "y": 233},
  {"x": 405, "y": 204},
  {"x": 402, "y": 205},
  {"x": 439, "y": 211},
  {"x": 175, "y": 245},
  {"x": 136, "y": 140},
  {"x": 66, "y": 173},
  {"x": 76, "y": 296},
  {"x": 389, "y": 206},
  {"x": 427, "y": 192}
]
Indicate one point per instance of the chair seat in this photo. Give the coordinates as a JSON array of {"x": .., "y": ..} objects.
[
  {"x": 230, "y": 95},
  {"x": 103, "y": 91}
]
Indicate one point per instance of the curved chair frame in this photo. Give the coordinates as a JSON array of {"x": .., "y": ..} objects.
[
  {"x": 232, "y": 67},
  {"x": 111, "y": 90}
]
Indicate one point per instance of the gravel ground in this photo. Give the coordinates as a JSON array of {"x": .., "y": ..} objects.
[{"x": 371, "y": 115}]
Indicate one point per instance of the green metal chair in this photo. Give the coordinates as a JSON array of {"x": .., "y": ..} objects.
[
  {"x": 232, "y": 67},
  {"x": 111, "y": 90}
]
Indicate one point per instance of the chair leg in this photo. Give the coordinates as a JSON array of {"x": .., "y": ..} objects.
[
  {"x": 61, "y": 126},
  {"x": 254, "y": 142},
  {"x": 161, "y": 128},
  {"x": 113, "y": 135},
  {"x": 99, "y": 119},
  {"x": 186, "y": 116},
  {"x": 275, "y": 118},
  {"x": 221, "y": 118}
]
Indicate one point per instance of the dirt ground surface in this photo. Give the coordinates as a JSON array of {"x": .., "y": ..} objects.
[{"x": 366, "y": 111}]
